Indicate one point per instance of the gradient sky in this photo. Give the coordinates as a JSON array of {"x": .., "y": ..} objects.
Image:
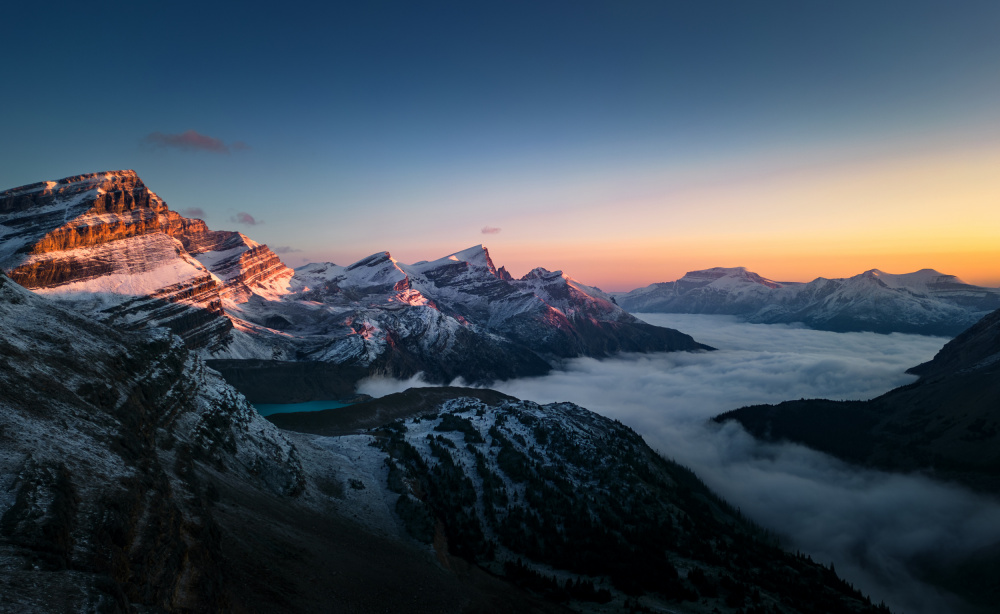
[{"x": 623, "y": 142}]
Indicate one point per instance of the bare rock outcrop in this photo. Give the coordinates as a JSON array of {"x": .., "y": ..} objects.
[{"x": 107, "y": 240}]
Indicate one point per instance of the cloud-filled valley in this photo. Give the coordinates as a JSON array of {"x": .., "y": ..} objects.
[{"x": 878, "y": 528}]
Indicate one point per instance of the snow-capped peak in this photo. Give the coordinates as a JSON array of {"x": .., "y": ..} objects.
[
  {"x": 476, "y": 256},
  {"x": 726, "y": 276},
  {"x": 541, "y": 273}
]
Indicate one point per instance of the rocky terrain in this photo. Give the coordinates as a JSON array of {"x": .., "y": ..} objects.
[
  {"x": 105, "y": 439},
  {"x": 111, "y": 246},
  {"x": 567, "y": 505},
  {"x": 107, "y": 245},
  {"x": 458, "y": 316},
  {"x": 925, "y": 302},
  {"x": 134, "y": 479}
]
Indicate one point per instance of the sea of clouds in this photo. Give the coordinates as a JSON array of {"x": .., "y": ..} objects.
[{"x": 875, "y": 526}]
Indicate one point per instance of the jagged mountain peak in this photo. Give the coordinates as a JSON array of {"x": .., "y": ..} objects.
[
  {"x": 103, "y": 180},
  {"x": 106, "y": 240},
  {"x": 541, "y": 273},
  {"x": 122, "y": 255},
  {"x": 377, "y": 259},
  {"x": 477, "y": 257},
  {"x": 454, "y": 316},
  {"x": 477, "y": 254}
]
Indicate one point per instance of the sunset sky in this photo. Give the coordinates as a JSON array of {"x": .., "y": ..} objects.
[{"x": 623, "y": 142}]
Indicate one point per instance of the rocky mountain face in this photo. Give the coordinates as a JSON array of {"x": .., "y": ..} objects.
[
  {"x": 453, "y": 317},
  {"x": 106, "y": 439},
  {"x": 109, "y": 246},
  {"x": 947, "y": 423},
  {"x": 924, "y": 302},
  {"x": 568, "y": 505},
  {"x": 134, "y": 479}
]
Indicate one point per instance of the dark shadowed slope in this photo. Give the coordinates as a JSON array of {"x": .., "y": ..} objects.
[
  {"x": 946, "y": 424},
  {"x": 132, "y": 479},
  {"x": 569, "y": 505}
]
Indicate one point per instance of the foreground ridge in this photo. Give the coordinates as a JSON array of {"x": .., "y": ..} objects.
[{"x": 569, "y": 505}]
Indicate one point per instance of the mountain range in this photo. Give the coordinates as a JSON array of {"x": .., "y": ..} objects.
[
  {"x": 133, "y": 478},
  {"x": 109, "y": 246},
  {"x": 925, "y": 302}
]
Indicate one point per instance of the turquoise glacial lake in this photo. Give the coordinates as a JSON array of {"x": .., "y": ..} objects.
[{"x": 266, "y": 409}]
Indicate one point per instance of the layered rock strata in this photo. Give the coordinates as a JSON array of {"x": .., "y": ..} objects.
[
  {"x": 106, "y": 240},
  {"x": 110, "y": 246}
]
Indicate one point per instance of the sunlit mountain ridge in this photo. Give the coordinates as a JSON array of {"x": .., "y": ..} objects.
[
  {"x": 923, "y": 302},
  {"x": 109, "y": 246}
]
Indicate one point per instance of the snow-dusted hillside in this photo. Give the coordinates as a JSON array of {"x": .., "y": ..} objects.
[
  {"x": 457, "y": 316},
  {"x": 107, "y": 245},
  {"x": 101, "y": 437},
  {"x": 924, "y": 302},
  {"x": 132, "y": 478},
  {"x": 567, "y": 504}
]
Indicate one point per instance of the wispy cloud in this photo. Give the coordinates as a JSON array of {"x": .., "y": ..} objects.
[
  {"x": 188, "y": 140},
  {"x": 490, "y": 230},
  {"x": 880, "y": 529},
  {"x": 197, "y": 212},
  {"x": 240, "y": 146},
  {"x": 284, "y": 249},
  {"x": 245, "y": 218}
]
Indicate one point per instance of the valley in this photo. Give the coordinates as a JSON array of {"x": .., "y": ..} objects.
[
  {"x": 534, "y": 307},
  {"x": 481, "y": 494}
]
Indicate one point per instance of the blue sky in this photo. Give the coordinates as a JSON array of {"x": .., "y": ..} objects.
[{"x": 595, "y": 135}]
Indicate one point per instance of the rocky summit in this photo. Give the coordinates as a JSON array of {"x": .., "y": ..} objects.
[
  {"x": 108, "y": 243},
  {"x": 109, "y": 246}
]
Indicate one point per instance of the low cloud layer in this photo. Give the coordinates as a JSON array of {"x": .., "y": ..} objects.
[
  {"x": 196, "y": 212},
  {"x": 875, "y": 526},
  {"x": 284, "y": 249}
]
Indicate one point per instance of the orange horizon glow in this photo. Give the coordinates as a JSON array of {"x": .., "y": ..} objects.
[
  {"x": 936, "y": 207},
  {"x": 624, "y": 274},
  {"x": 616, "y": 268}
]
